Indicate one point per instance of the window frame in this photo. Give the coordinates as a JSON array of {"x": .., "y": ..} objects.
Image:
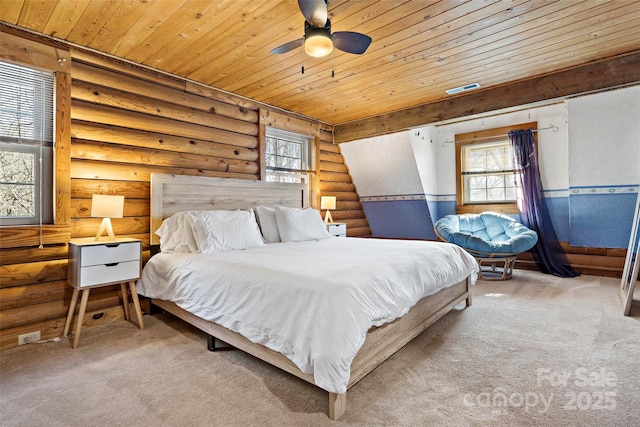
[
  {"x": 303, "y": 174},
  {"x": 482, "y": 137},
  {"x": 39, "y": 143},
  {"x": 54, "y": 58}
]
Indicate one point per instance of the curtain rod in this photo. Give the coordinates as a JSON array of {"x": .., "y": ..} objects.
[{"x": 554, "y": 128}]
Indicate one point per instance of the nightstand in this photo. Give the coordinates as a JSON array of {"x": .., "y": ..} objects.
[
  {"x": 337, "y": 229},
  {"x": 100, "y": 263}
]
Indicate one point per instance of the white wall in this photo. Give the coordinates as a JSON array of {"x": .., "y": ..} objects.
[
  {"x": 604, "y": 138},
  {"x": 383, "y": 165},
  {"x": 424, "y": 145}
]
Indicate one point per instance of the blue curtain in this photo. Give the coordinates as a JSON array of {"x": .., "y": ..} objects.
[{"x": 534, "y": 213}]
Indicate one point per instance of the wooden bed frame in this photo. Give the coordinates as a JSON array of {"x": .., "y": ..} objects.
[{"x": 174, "y": 193}]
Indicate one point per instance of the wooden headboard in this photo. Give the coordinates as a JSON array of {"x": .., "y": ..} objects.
[{"x": 176, "y": 193}]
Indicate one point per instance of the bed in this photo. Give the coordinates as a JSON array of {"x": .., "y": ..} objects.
[{"x": 329, "y": 343}]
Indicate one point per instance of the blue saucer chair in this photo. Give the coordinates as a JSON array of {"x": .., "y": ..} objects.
[{"x": 494, "y": 239}]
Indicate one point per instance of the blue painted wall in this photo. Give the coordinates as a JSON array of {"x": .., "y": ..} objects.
[
  {"x": 399, "y": 218},
  {"x": 601, "y": 218}
]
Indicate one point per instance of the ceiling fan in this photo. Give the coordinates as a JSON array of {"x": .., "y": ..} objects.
[{"x": 318, "y": 40}]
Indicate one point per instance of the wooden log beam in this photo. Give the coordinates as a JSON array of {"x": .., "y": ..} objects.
[
  {"x": 88, "y": 112},
  {"x": 33, "y": 254},
  {"x": 90, "y": 169},
  {"x": 137, "y": 138},
  {"x": 613, "y": 72},
  {"x": 358, "y": 231},
  {"x": 110, "y": 97},
  {"x": 85, "y": 188},
  {"x": 32, "y": 272},
  {"x": 113, "y": 77},
  {"x": 24, "y": 235},
  {"x": 32, "y": 294},
  {"x": 328, "y": 186}
]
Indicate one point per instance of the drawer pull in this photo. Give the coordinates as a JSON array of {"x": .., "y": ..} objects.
[
  {"x": 112, "y": 245},
  {"x": 113, "y": 264}
]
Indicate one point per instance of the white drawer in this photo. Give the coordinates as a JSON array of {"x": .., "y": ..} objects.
[
  {"x": 337, "y": 229},
  {"x": 110, "y": 253},
  {"x": 108, "y": 273}
]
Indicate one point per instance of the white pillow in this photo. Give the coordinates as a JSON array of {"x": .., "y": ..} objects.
[
  {"x": 296, "y": 225},
  {"x": 267, "y": 221},
  {"x": 221, "y": 231},
  {"x": 176, "y": 234}
]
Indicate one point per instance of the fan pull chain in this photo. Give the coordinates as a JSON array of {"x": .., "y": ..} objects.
[
  {"x": 332, "y": 65},
  {"x": 303, "y": 60}
]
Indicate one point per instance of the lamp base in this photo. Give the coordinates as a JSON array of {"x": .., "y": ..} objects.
[
  {"x": 106, "y": 225},
  {"x": 327, "y": 217}
]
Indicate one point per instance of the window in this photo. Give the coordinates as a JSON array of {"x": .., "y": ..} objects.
[
  {"x": 26, "y": 145},
  {"x": 287, "y": 156},
  {"x": 486, "y": 175}
]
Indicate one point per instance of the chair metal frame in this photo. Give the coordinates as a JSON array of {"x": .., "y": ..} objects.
[{"x": 493, "y": 266}]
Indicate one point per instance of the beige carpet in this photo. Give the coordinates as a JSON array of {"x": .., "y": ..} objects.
[{"x": 535, "y": 350}]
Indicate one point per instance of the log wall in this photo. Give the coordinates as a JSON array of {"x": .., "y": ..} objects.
[{"x": 122, "y": 124}]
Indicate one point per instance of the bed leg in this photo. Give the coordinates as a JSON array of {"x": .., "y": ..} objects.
[
  {"x": 211, "y": 343},
  {"x": 468, "y": 300},
  {"x": 337, "y": 405}
]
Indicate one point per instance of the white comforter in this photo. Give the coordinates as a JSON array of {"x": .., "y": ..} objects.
[{"x": 311, "y": 301}]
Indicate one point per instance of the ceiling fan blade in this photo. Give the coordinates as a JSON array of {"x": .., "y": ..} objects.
[
  {"x": 314, "y": 11},
  {"x": 288, "y": 46},
  {"x": 351, "y": 42}
]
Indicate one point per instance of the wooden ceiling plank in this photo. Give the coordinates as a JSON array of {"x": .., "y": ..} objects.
[
  {"x": 92, "y": 20},
  {"x": 194, "y": 16},
  {"x": 64, "y": 16},
  {"x": 398, "y": 83},
  {"x": 359, "y": 104},
  {"x": 155, "y": 15},
  {"x": 611, "y": 73},
  {"x": 210, "y": 43},
  {"x": 236, "y": 35},
  {"x": 554, "y": 58},
  {"x": 126, "y": 15},
  {"x": 433, "y": 52},
  {"x": 274, "y": 65},
  {"x": 10, "y": 11},
  {"x": 397, "y": 53},
  {"x": 247, "y": 65},
  {"x": 35, "y": 13},
  {"x": 320, "y": 70},
  {"x": 338, "y": 118}
]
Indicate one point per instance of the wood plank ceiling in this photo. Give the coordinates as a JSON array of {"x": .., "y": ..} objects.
[{"x": 419, "y": 48}]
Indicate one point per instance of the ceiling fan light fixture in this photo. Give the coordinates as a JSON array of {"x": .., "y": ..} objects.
[{"x": 318, "y": 42}]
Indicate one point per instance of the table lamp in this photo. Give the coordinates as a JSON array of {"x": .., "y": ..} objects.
[
  {"x": 106, "y": 207},
  {"x": 328, "y": 203}
]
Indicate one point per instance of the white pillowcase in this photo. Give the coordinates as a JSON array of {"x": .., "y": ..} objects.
[
  {"x": 296, "y": 225},
  {"x": 267, "y": 221},
  {"x": 221, "y": 231},
  {"x": 176, "y": 234}
]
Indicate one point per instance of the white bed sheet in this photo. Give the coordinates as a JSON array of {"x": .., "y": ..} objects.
[{"x": 312, "y": 301}]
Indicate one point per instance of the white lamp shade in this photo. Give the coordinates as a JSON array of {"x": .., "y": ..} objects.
[
  {"x": 327, "y": 202},
  {"x": 107, "y": 206}
]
